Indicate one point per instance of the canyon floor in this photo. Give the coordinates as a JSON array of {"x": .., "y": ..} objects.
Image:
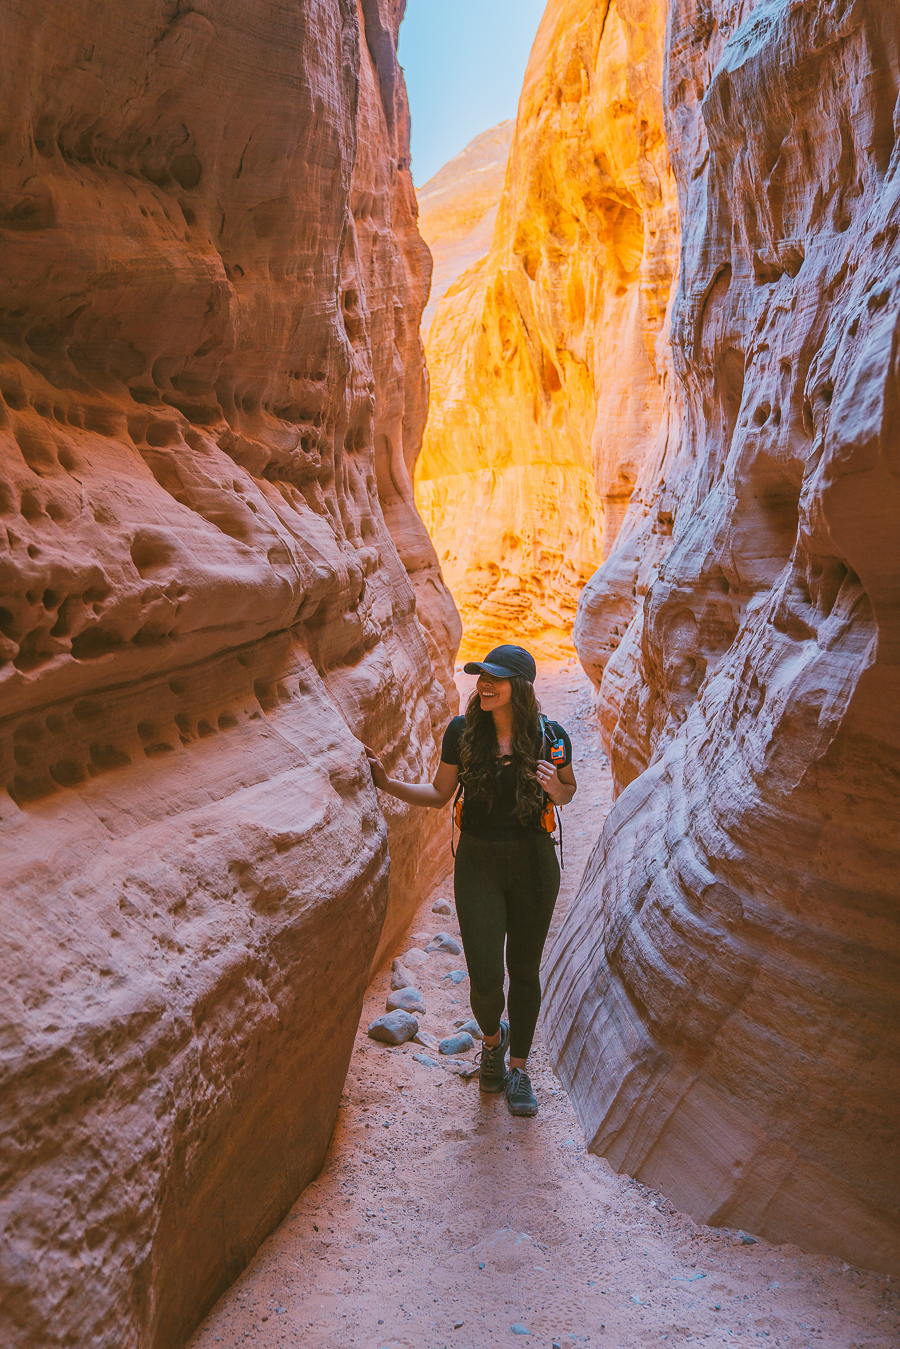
[{"x": 440, "y": 1222}]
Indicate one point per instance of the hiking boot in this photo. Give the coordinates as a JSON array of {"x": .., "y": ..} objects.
[
  {"x": 520, "y": 1098},
  {"x": 492, "y": 1062}
]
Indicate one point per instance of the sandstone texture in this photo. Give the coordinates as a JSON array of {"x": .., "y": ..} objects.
[
  {"x": 458, "y": 209},
  {"x": 211, "y": 569},
  {"x": 724, "y": 993},
  {"x": 545, "y": 392}
]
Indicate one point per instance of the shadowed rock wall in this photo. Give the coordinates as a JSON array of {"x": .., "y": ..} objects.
[
  {"x": 724, "y": 994},
  {"x": 212, "y": 399},
  {"x": 545, "y": 392}
]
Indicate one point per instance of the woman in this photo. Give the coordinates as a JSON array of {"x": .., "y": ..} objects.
[{"x": 507, "y": 877}]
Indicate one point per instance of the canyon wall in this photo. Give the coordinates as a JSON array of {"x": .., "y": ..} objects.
[
  {"x": 210, "y": 572},
  {"x": 458, "y": 210},
  {"x": 723, "y": 996},
  {"x": 545, "y": 390}
]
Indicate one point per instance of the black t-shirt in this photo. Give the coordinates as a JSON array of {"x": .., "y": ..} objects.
[{"x": 497, "y": 819}]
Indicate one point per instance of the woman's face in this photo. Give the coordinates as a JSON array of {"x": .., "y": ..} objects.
[{"x": 493, "y": 693}]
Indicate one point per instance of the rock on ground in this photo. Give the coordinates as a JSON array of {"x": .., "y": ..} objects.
[
  {"x": 393, "y": 1028},
  {"x": 406, "y": 999}
]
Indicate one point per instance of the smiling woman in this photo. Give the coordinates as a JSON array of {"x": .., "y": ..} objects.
[
  {"x": 510, "y": 768},
  {"x": 464, "y": 64}
]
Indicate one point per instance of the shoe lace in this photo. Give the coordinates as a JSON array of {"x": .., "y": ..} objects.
[
  {"x": 485, "y": 1056},
  {"x": 518, "y": 1083}
]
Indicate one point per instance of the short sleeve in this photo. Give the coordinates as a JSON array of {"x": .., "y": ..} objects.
[
  {"x": 451, "y": 742},
  {"x": 561, "y": 734}
]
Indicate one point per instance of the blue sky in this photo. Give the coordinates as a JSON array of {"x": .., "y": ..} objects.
[{"x": 464, "y": 62}]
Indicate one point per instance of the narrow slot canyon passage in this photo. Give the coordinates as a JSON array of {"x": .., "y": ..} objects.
[{"x": 440, "y": 1222}]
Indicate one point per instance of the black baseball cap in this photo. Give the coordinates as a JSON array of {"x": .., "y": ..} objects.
[{"x": 505, "y": 662}]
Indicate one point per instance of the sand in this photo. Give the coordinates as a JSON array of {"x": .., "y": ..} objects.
[{"x": 440, "y": 1222}]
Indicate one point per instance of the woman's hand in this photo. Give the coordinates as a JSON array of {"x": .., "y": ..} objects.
[
  {"x": 548, "y": 777},
  {"x": 559, "y": 786},
  {"x": 379, "y": 774}
]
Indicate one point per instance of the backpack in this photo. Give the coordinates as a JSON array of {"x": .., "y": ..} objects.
[{"x": 553, "y": 748}]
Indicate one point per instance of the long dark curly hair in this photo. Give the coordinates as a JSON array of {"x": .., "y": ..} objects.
[{"x": 478, "y": 751}]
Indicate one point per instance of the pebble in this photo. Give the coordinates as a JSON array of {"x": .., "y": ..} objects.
[
  {"x": 457, "y": 1044},
  {"x": 414, "y": 958},
  {"x": 457, "y": 976},
  {"x": 443, "y": 906},
  {"x": 426, "y": 1039},
  {"x": 394, "y": 1028},
  {"x": 406, "y": 999},
  {"x": 444, "y": 943},
  {"x": 401, "y": 977},
  {"x": 462, "y": 1067},
  {"x": 429, "y": 1062},
  {"x": 471, "y": 1026},
  {"x": 520, "y": 1330}
]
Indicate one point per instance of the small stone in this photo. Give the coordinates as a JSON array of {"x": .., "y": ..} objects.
[
  {"x": 747, "y": 1240},
  {"x": 407, "y": 1000},
  {"x": 444, "y": 943},
  {"x": 414, "y": 958},
  {"x": 520, "y": 1330},
  {"x": 456, "y": 976},
  {"x": 457, "y": 1044},
  {"x": 426, "y": 1039},
  {"x": 458, "y": 1325},
  {"x": 428, "y": 1062},
  {"x": 401, "y": 977},
  {"x": 462, "y": 1067},
  {"x": 422, "y": 937},
  {"x": 471, "y": 1026},
  {"x": 394, "y": 1028},
  {"x": 442, "y": 906}
]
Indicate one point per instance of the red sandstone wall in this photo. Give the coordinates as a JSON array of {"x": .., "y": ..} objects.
[
  {"x": 723, "y": 999},
  {"x": 212, "y": 398}
]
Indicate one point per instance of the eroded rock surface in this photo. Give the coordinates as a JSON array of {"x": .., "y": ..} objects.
[
  {"x": 724, "y": 995},
  {"x": 545, "y": 391},
  {"x": 458, "y": 209},
  {"x": 212, "y": 396}
]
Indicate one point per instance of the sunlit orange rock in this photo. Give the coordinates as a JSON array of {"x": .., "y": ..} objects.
[
  {"x": 724, "y": 996},
  {"x": 544, "y": 387},
  {"x": 212, "y": 397},
  {"x": 458, "y": 209}
]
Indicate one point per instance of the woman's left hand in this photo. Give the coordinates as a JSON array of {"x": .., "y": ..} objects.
[{"x": 548, "y": 777}]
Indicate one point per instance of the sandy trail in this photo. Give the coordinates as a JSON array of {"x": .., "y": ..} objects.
[{"x": 439, "y": 1222}]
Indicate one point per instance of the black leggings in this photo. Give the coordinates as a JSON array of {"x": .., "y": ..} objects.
[{"x": 506, "y": 892}]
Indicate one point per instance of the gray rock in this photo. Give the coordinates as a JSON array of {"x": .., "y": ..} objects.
[
  {"x": 394, "y": 1028},
  {"x": 462, "y": 1067},
  {"x": 414, "y": 958},
  {"x": 520, "y": 1330},
  {"x": 401, "y": 977},
  {"x": 444, "y": 943},
  {"x": 442, "y": 906},
  {"x": 471, "y": 1026},
  {"x": 457, "y": 1044},
  {"x": 407, "y": 1000},
  {"x": 457, "y": 976},
  {"x": 428, "y": 1062},
  {"x": 426, "y": 1039}
]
